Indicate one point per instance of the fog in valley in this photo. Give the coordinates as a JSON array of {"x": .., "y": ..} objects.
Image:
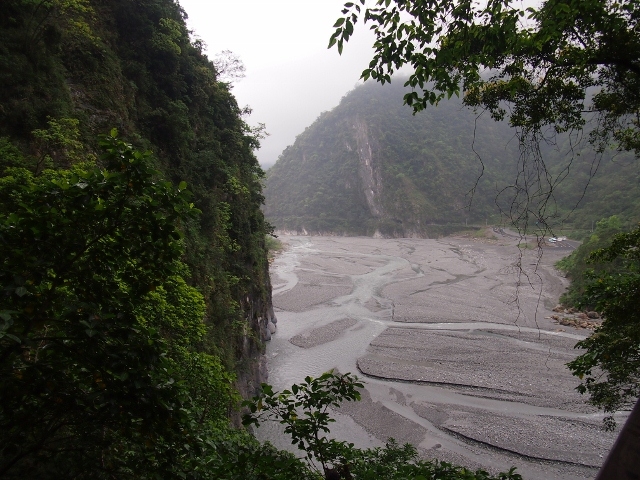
[{"x": 291, "y": 76}]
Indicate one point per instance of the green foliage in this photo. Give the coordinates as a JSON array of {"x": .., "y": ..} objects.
[
  {"x": 547, "y": 69},
  {"x": 239, "y": 456},
  {"x": 273, "y": 245},
  {"x": 402, "y": 463},
  {"x": 75, "y": 68},
  {"x": 33, "y": 35},
  {"x": 433, "y": 173},
  {"x": 578, "y": 267},
  {"x": 58, "y": 146},
  {"x": 542, "y": 59},
  {"x": 96, "y": 324},
  {"x": 10, "y": 155},
  {"x": 304, "y": 411},
  {"x": 177, "y": 295},
  {"x": 178, "y": 309},
  {"x": 610, "y": 367}
]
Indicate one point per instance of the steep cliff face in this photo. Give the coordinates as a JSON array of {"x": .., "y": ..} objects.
[
  {"x": 369, "y": 171},
  {"x": 82, "y": 68}
]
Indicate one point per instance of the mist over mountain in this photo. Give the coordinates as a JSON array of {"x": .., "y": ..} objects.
[{"x": 370, "y": 166}]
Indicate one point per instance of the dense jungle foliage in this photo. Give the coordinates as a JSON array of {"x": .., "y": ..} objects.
[
  {"x": 73, "y": 69},
  {"x": 132, "y": 307},
  {"x": 444, "y": 166},
  {"x": 577, "y": 266}
]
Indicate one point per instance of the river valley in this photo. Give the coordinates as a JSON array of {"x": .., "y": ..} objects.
[{"x": 453, "y": 340}]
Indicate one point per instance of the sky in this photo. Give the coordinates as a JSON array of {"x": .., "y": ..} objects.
[{"x": 291, "y": 77}]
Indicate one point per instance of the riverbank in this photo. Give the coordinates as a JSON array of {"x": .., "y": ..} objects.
[{"x": 455, "y": 341}]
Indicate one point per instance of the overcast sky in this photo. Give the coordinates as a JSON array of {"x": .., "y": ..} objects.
[{"x": 291, "y": 76}]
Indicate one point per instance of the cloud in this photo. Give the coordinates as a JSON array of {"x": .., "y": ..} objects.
[{"x": 291, "y": 77}]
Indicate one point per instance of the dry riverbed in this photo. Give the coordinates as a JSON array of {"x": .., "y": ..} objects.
[{"x": 455, "y": 342}]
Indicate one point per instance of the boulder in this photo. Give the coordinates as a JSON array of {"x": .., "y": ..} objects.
[
  {"x": 271, "y": 316},
  {"x": 267, "y": 334}
]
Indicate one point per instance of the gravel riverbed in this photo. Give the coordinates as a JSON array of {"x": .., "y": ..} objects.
[{"x": 455, "y": 343}]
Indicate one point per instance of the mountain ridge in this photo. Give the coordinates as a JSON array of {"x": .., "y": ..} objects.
[{"x": 370, "y": 167}]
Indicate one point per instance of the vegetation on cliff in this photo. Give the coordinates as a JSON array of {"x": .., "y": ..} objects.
[
  {"x": 605, "y": 276},
  {"x": 547, "y": 69},
  {"x": 73, "y": 69},
  {"x": 131, "y": 306},
  {"x": 369, "y": 164}
]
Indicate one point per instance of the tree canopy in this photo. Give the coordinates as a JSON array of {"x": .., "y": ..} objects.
[
  {"x": 546, "y": 69},
  {"x": 534, "y": 65},
  {"x": 104, "y": 370},
  {"x": 305, "y": 412},
  {"x": 97, "y": 323},
  {"x": 610, "y": 365}
]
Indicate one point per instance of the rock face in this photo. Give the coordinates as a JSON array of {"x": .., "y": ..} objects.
[
  {"x": 369, "y": 172},
  {"x": 252, "y": 372},
  {"x": 269, "y": 327}
]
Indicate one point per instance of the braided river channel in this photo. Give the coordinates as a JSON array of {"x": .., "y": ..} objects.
[{"x": 454, "y": 342}]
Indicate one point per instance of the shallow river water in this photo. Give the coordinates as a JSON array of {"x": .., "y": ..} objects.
[{"x": 454, "y": 342}]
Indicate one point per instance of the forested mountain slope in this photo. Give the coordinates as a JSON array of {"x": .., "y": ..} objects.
[
  {"x": 135, "y": 287},
  {"x": 74, "y": 69},
  {"x": 134, "y": 280},
  {"x": 369, "y": 166}
]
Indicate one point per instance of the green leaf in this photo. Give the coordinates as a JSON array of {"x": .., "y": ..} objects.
[
  {"x": 6, "y": 315},
  {"x": 348, "y": 28}
]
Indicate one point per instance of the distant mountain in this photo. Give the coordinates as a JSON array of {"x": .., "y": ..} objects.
[{"x": 371, "y": 167}]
